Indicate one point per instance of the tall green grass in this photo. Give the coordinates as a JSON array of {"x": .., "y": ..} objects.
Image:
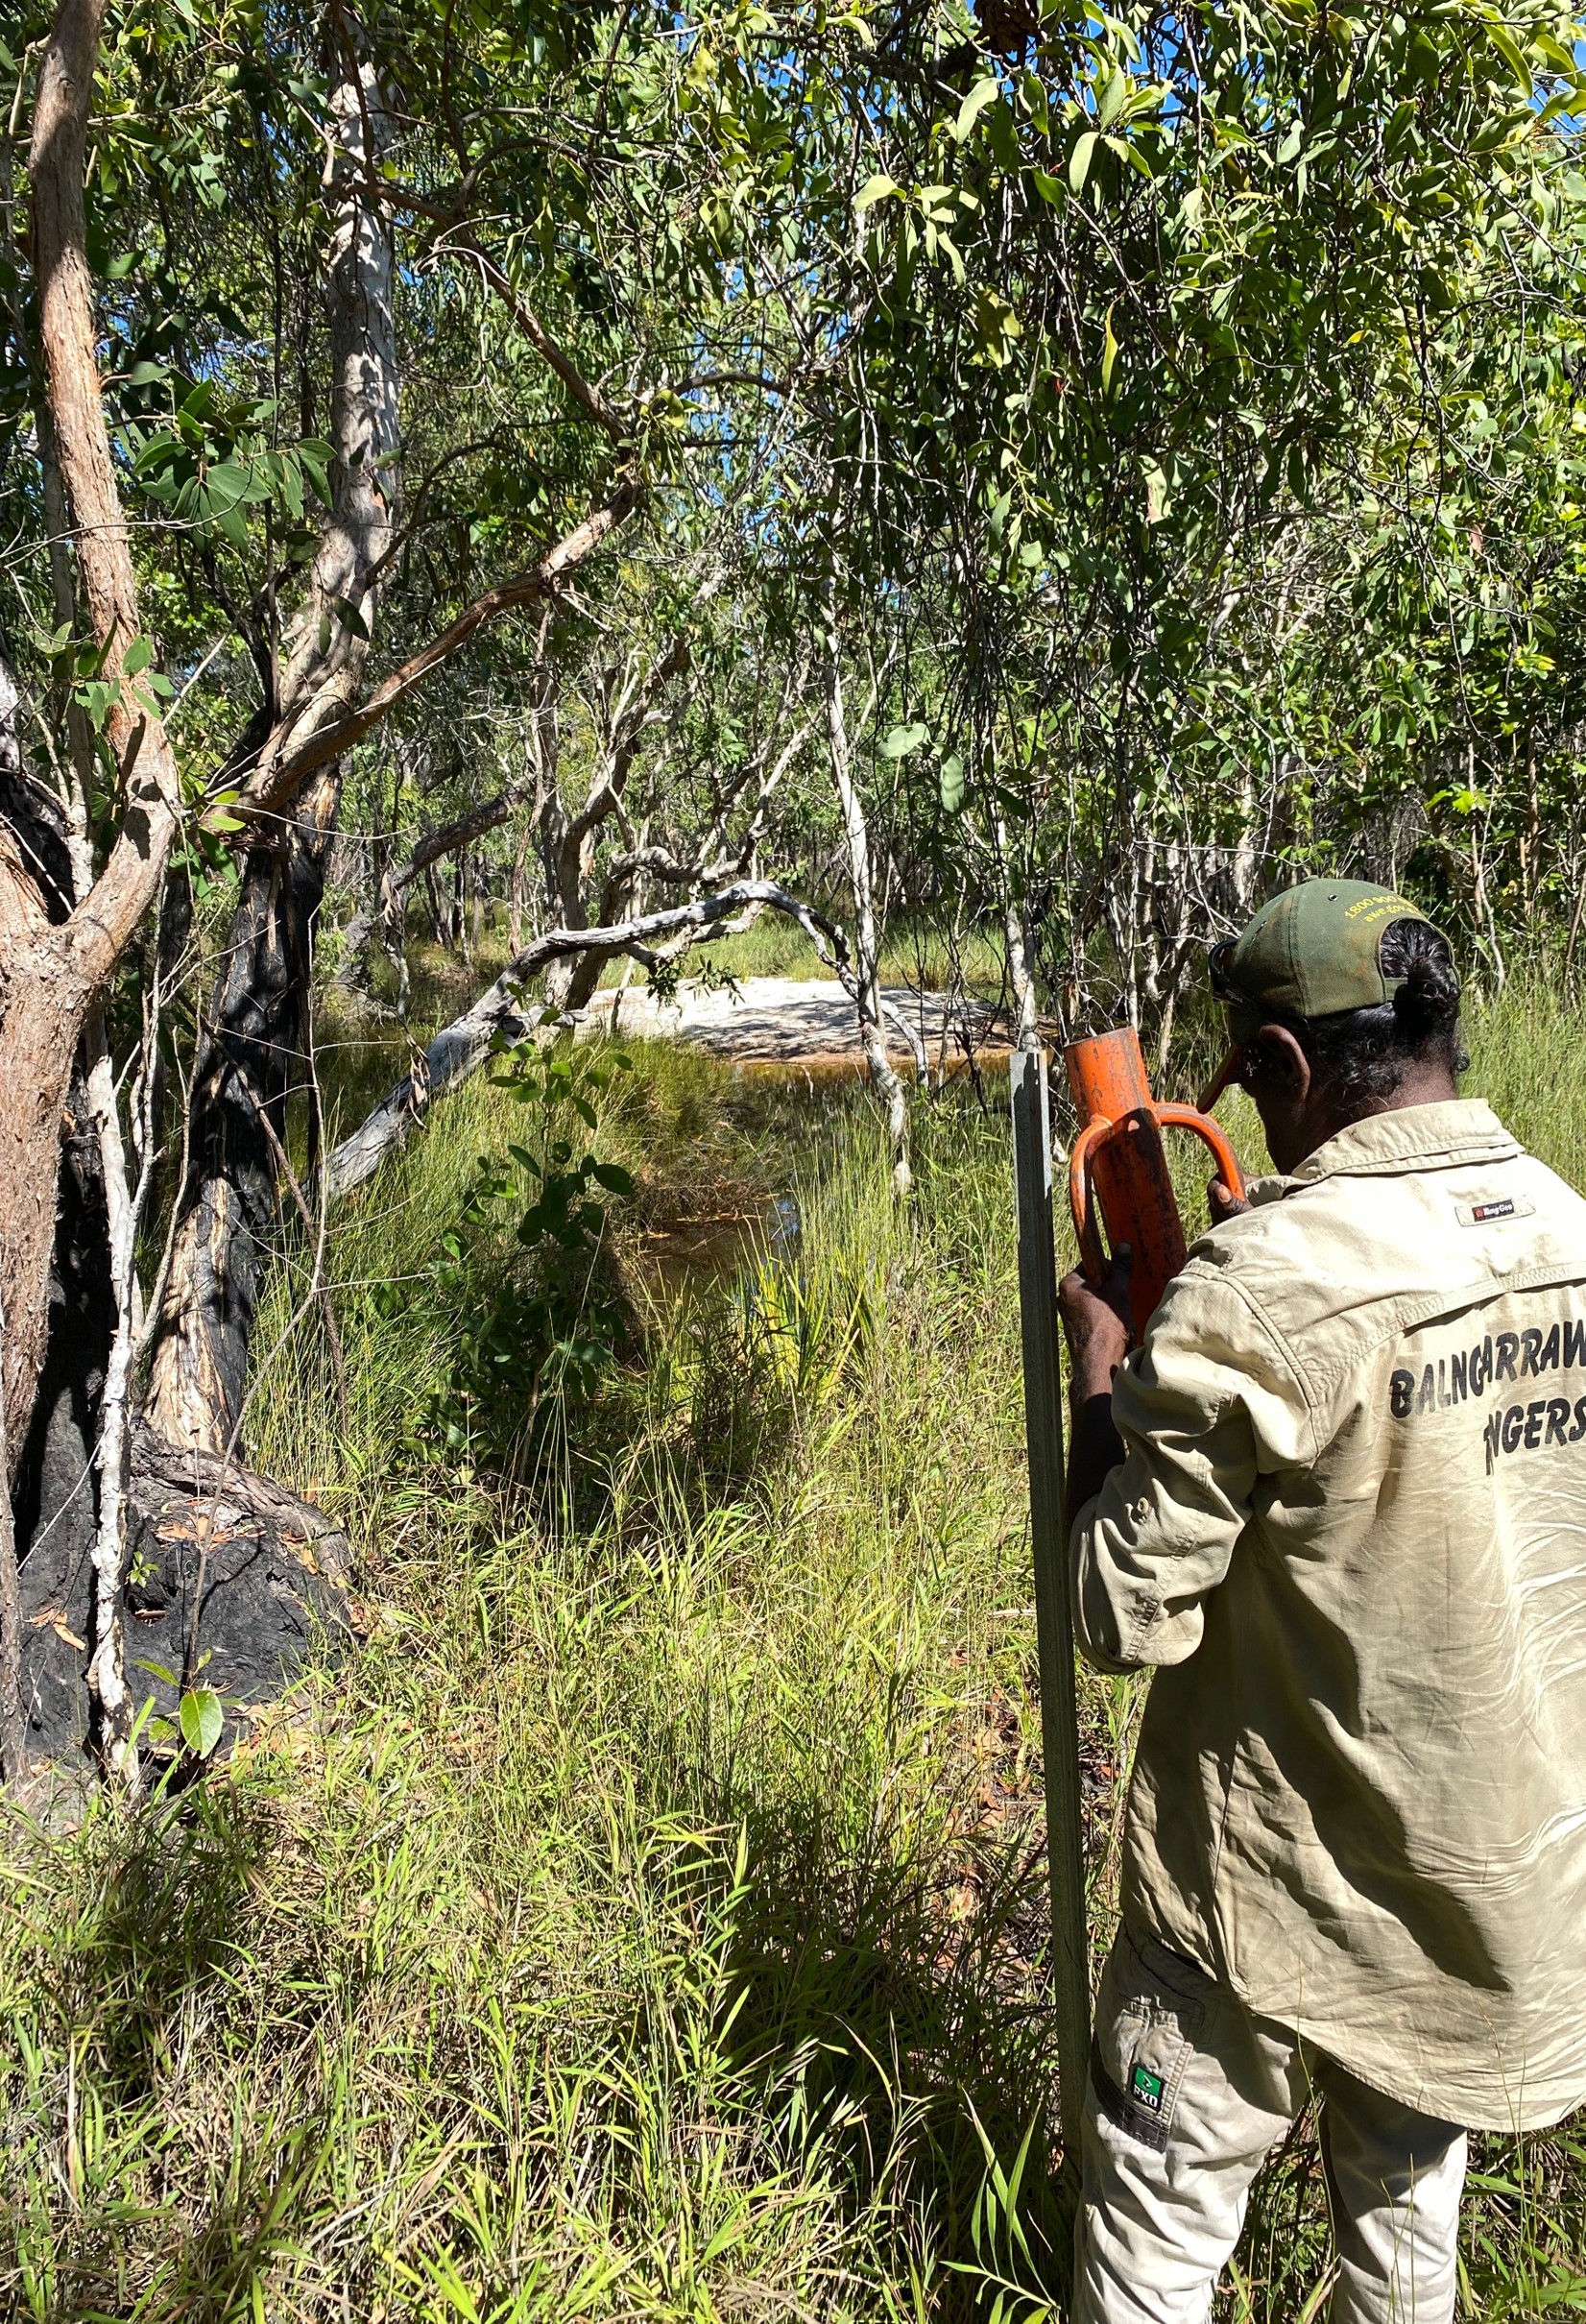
[{"x": 648, "y": 1921}]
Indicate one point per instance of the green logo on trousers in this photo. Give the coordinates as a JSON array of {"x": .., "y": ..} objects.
[{"x": 1146, "y": 2089}]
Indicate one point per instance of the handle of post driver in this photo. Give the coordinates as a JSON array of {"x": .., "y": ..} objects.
[
  {"x": 1092, "y": 1257},
  {"x": 1210, "y": 1135}
]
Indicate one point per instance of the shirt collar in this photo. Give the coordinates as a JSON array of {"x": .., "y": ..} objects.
[{"x": 1454, "y": 1133}]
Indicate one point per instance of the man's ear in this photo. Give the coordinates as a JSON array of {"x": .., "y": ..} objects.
[{"x": 1277, "y": 1066}]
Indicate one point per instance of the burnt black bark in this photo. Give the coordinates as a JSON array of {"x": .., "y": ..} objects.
[{"x": 250, "y": 1061}]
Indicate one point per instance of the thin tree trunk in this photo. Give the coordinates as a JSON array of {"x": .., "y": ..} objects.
[
  {"x": 1026, "y": 1032},
  {"x": 856, "y": 836},
  {"x": 107, "y": 1667},
  {"x": 518, "y": 896}
]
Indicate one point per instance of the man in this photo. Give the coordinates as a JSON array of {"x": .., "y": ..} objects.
[{"x": 1338, "y": 1500}]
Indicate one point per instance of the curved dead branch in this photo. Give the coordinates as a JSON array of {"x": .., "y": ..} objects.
[{"x": 461, "y": 1046}]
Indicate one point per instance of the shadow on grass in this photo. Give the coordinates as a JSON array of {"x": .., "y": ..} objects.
[
  {"x": 161, "y": 1921},
  {"x": 916, "y": 2001},
  {"x": 147, "y": 1938}
]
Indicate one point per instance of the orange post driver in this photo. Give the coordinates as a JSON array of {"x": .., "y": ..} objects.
[{"x": 1120, "y": 1165}]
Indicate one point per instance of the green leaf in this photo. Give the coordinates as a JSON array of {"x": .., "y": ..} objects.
[
  {"x": 983, "y": 94},
  {"x": 229, "y": 481},
  {"x": 996, "y": 326},
  {"x": 1555, "y": 52},
  {"x": 903, "y": 742},
  {"x": 1109, "y": 355},
  {"x": 952, "y": 782},
  {"x": 614, "y": 1179},
  {"x": 96, "y": 698},
  {"x": 139, "y": 656},
  {"x": 314, "y": 457},
  {"x": 1051, "y": 189},
  {"x": 201, "y": 1720},
  {"x": 1508, "y": 48},
  {"x": 1079, "y": 162},
  {"x": 874, "y": 189}
]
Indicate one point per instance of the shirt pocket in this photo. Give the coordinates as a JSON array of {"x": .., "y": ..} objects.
[{"x": 1150, "y": 2013}]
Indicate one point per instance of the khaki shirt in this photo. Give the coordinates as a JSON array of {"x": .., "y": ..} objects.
[{"x": 1351, "y": 1529}]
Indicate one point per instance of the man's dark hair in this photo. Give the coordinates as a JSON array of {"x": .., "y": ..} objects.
[{"x": 1362, "y": 1052}]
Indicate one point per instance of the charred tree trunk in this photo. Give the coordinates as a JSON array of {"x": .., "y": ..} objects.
[{"x": 248, "y": 1065}]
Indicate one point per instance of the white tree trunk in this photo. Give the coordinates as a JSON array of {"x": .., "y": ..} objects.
[
  {"x": 1026, "y": 1034},
  {"x": 857, "y": 842},
  {"x": 108, "y": 1665}
]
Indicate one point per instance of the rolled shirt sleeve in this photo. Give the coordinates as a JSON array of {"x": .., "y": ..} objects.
[{"x": 1206, "y": 1406}]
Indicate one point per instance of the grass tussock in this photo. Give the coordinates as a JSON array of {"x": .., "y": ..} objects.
[{"x": 648, "y": 1921}]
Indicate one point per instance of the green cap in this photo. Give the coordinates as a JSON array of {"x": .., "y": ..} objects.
[{"x": 1313, "y": 951}]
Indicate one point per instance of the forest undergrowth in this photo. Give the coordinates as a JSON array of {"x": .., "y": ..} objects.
[{"x": 647, "y": 1921}]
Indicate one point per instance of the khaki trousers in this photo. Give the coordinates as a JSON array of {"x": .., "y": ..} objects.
[{"x": 1187, "y": 2095}]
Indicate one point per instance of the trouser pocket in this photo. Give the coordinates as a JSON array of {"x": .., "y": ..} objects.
[{"x": 1151, "y": 2011}]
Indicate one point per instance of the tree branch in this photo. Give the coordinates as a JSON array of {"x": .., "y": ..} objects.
[
  {"x": 540, "y": 340},
  {"x": 460, "y": 1047},
  {"x": 103, "y": 921},
  {"x": 276, "y": 783}
]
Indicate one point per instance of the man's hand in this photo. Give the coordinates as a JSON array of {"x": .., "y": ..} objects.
[
  {"x": 1095, "y": 1323},
  {"x": 1223, "y": 1203}
]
